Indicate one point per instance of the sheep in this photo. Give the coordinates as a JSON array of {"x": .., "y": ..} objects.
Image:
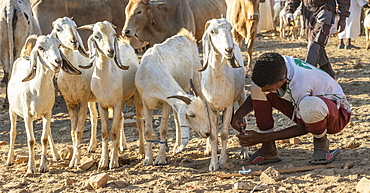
[
  {"x": 367, "y": 28},
  {"x": 32, "y": 94},
  {"x": 221, "y": 84},
  {"x": 163, "y": 81},
  {"x": 76, "y": 89},
  {"x": 113, "y": 84}
]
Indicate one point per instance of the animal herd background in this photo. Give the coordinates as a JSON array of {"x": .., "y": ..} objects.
[{"x": 142, "y": 27}]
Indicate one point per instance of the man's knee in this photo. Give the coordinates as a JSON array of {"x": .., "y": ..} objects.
[
  {"x": 313, "y": 111},
  {"x": 321, "y": 33}
]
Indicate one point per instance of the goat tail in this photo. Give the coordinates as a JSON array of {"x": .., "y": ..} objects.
[
  {"x": 11, "y": 19},
  {"x": 188, "y": 34}
]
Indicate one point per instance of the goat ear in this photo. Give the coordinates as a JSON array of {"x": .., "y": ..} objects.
[
  {"x": 206, "y": 50},
  {"x": 27, "y": 47},
  {"x": 89, "y": 26},
  {"x": 81, "y": 47},
  {"x": 33, "y": 61},
  {"x": 68, "y": 67},
  {"x": 117, "y": 58},
  {"x": 193, "y": 88},
  {"x": 185, "y": 99},
  {"x": 92, "y": 49}
]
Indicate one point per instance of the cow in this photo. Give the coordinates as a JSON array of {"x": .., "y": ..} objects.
[
  {"x": 83, "y": 13},
  {"x": 155, "y": 21},
  {"x": 204, "y": 10},
  {"x": 244, "y": 16},
  {"x": 16, "y": 24}
]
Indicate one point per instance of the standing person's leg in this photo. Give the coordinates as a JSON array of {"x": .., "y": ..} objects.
[
  {"x": 317, "y": 39},
  {"x": 321, "y": 119},
  {"x": 341, "y": 45}
]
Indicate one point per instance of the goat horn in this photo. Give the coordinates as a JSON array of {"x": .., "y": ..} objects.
[
  {"x": 193, "y": 88},
  {"x": 182, "y": 98},
  {"x": 89, "y": 26}
]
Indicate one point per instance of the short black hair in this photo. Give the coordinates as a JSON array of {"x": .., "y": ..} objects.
[{"x": 269, "y": 69}]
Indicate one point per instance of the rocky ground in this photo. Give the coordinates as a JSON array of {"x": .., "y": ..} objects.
[{"x": 188, "y": 170}]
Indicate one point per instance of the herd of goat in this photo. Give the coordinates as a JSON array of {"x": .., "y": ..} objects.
[
  {"x": 170, "y": 76},
  {"x": 109, "y": 73}
]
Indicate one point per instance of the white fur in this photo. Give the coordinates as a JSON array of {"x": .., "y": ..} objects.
[
  {"x": 35, "y": 98},
  {"x": 76, "y": 90},
  {"x": 367, "y": 28},
  {"x": 112, "y": 87},
  {"x": 165, "y": 71},
  {"x": 221, "y": 84}
]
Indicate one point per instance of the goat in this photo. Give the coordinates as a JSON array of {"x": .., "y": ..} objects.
[
  {"x": 286, "y": 21},
  {"x": 221, "y": 84},
  {"x": 113, "y": 84},
  {"x": 298, "y": 31},
  {"x": 32, "y": 96},
  {"x": 76, "y": 90},
  {"x": 162, "y": 80},
  {"x": 367, "y": 28}
]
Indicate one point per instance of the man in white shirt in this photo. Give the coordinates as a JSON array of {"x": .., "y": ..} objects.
[{"x": 304, "y": 93}]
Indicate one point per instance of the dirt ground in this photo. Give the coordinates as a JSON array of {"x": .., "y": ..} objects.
[{"x": 188, "y": 170}]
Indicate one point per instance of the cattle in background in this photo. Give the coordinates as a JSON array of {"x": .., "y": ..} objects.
[
  {"x": 244, "y": 16},
  {"x": 83, "y": 12},
  {"x": 214, "y": 9},
  {"x": 16, "y": 24},
  {"x": 155, "y": 21}
]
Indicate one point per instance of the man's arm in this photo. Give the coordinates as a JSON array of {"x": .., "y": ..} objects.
[
  {"x": 292, "y": 5},
  {"x": 252, "y": 137},
  {"x": 243, "y": 110}
]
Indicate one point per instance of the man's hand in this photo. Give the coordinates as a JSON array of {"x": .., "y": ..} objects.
[
  {"x": 250, "y": 138},
  {"x": 236, "y": 121},
  {"x": 341, "y": 25}
]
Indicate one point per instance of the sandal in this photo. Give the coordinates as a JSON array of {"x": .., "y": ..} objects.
[
  {"x": 258, "y": 159},
  {"x": 323, "y": 157}
]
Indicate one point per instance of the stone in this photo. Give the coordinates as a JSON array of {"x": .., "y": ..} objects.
[
  {"x": 358, "y": 65},
  {"x": 21, "y": 159},
  {"x": 66, "y": 153},
  {"x": 51, "y": 180},
  {"x": 295, "y": 141},
  {"x": 249, "y": 186},
  {"x": 98, "y": 181},
  {"x": 86, "y": 163},
  {"x": 120, "y": 184},
  {"x": 347, "y": 165},
  {"x": 68, "y": 182},
  {"x": 363, "y": 186},
  {"x": 3, "y": 143},
  {"x": 130, "y": 123},
  {"x": 270, "y": 176}
]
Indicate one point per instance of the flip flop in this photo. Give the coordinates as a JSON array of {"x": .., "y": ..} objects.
[
  {"x": 323, "y": 157},
  {"x": 258, "y": 159}
]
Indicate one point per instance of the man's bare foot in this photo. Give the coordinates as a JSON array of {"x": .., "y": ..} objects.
[{"x": 321, "y": 143}]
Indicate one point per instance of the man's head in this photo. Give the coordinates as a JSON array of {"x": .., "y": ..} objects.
[{"x": 269, "y": 72}]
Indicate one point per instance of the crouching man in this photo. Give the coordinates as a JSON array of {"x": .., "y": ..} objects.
[{"x": 304, "y": 93}]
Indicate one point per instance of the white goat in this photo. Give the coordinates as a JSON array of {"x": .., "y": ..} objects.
[
  {"x": 367, "y": 28},
  {"x": 76, "y": 89},
  {"x": 162, "y": 80},
  {"x": 113, "y": 84},
  {"x": 286, "y": 21},
  {"x": 298, "y": 31},
  {"x": 32, "y": 94},
  {"x": 222, "y": 85}
]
